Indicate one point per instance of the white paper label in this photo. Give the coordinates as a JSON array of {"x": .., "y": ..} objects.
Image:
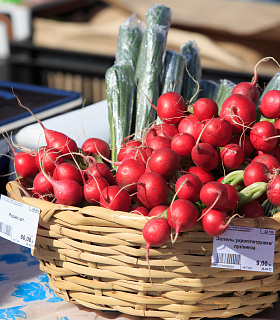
[
  {"x": 18, "y": 222},
  {"x": 244, "y": 248}
]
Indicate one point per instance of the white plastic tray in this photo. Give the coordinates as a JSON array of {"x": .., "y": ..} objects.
[{"x": 87, "y": 122}]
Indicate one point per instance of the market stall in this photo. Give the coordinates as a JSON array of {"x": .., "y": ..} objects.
[{"x": 203, "y": 153}]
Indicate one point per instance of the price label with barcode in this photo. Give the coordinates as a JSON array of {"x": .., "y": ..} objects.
[
  {"x": 244, "y": 248},
  {"x": 18, "y": 222}
]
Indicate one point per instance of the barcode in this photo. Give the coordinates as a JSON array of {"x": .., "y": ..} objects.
[
  {"x": 228, "y": 258},
  {"x": 6, "y": 229}
]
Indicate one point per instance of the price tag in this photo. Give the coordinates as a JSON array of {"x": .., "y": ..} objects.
[
  {"x": 18, "y": 222},
  {"x": 244, "y": 248}
]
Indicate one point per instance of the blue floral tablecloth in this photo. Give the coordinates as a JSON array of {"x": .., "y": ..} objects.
[{"x": 25, "y": 291}]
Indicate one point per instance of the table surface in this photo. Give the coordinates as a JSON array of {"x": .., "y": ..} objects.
[{"x": 25, "y": 292}]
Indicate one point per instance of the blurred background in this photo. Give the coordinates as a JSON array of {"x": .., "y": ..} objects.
[{"x": 69, "y": 44}]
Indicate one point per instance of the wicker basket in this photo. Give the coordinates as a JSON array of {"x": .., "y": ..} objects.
[{"x": 95, "y": 257}]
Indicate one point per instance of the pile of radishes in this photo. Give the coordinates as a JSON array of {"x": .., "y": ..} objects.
[{"x": 198, "y": 164}]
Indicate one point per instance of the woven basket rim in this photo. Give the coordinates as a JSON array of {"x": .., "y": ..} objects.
[{"x": 17, "y": 192}]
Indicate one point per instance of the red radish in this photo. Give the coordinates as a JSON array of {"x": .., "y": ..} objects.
[
  {"x": 243, "y": 140},
  {"x": 182, "y": 216},
  {"x": 170, "y": 107},
  {"x": 48, "y": 158},
  {"x": 232, "y": 156},
  {"x": 270, "y": 161},
  {"x": 240, "y": 111},
  {"x": 115, "y": 198},
  {"x": 65, "y": 145},
  {"x": 142, "y": 211},
  {"x": 128, "y": 146},
  {"x": 150, "y": 134},
  {"x": 214, "y": 194},
  {"x": 158, "y": 210},
  {"x": 205, "y": 108},
  {"x": 216, "y": 131},
  {"x": 156, "y": 232},
  {"x": 142, "y": 153},
  {"x": 273, "y": 190},
  {"x": 255, "y": 172},
  {"x": 252, "y": 209},
  {"x": 182, "y": 144},
  {"x": 165, "y": 162},
  {"x": 248, "y": 89},
  {"x": 101, "y": 169},
  {"x": 25, "y": 164},
  {"x": 205, "y": 156},
  {"x": 159, "y": 142},
  {"x": 165, "y": 130},
  {"x": 41, "y": 184},
  {"x": 270, "y": 104},
  {"x": 52, "y": 135},
  {"x": 188, "y": 187},
  {"x": 67, "y": 170},
  {"x": 152, "y": 190},
  {"x": 56, "y": 139},
  {"x": 191, "y": 125},
  {"x": 204, "y": 176},
  {"x": 214, "y": 222},
  {"x": 92, "y": 189},
  {"x": 128, "y": 174},
  {"x": 232, "y": 200},
  {"x": 96, "y": 146},
  {"x": 67, "y": 192},
  {"x": 263, "y": 136}
]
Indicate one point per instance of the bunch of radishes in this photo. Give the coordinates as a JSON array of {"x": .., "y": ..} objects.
[
  {"x": 198, "y": 165},
  {"x": 216, "y": 142}
]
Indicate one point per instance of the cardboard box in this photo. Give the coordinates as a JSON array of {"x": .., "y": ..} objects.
[{"x": 231, "y": 35}]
